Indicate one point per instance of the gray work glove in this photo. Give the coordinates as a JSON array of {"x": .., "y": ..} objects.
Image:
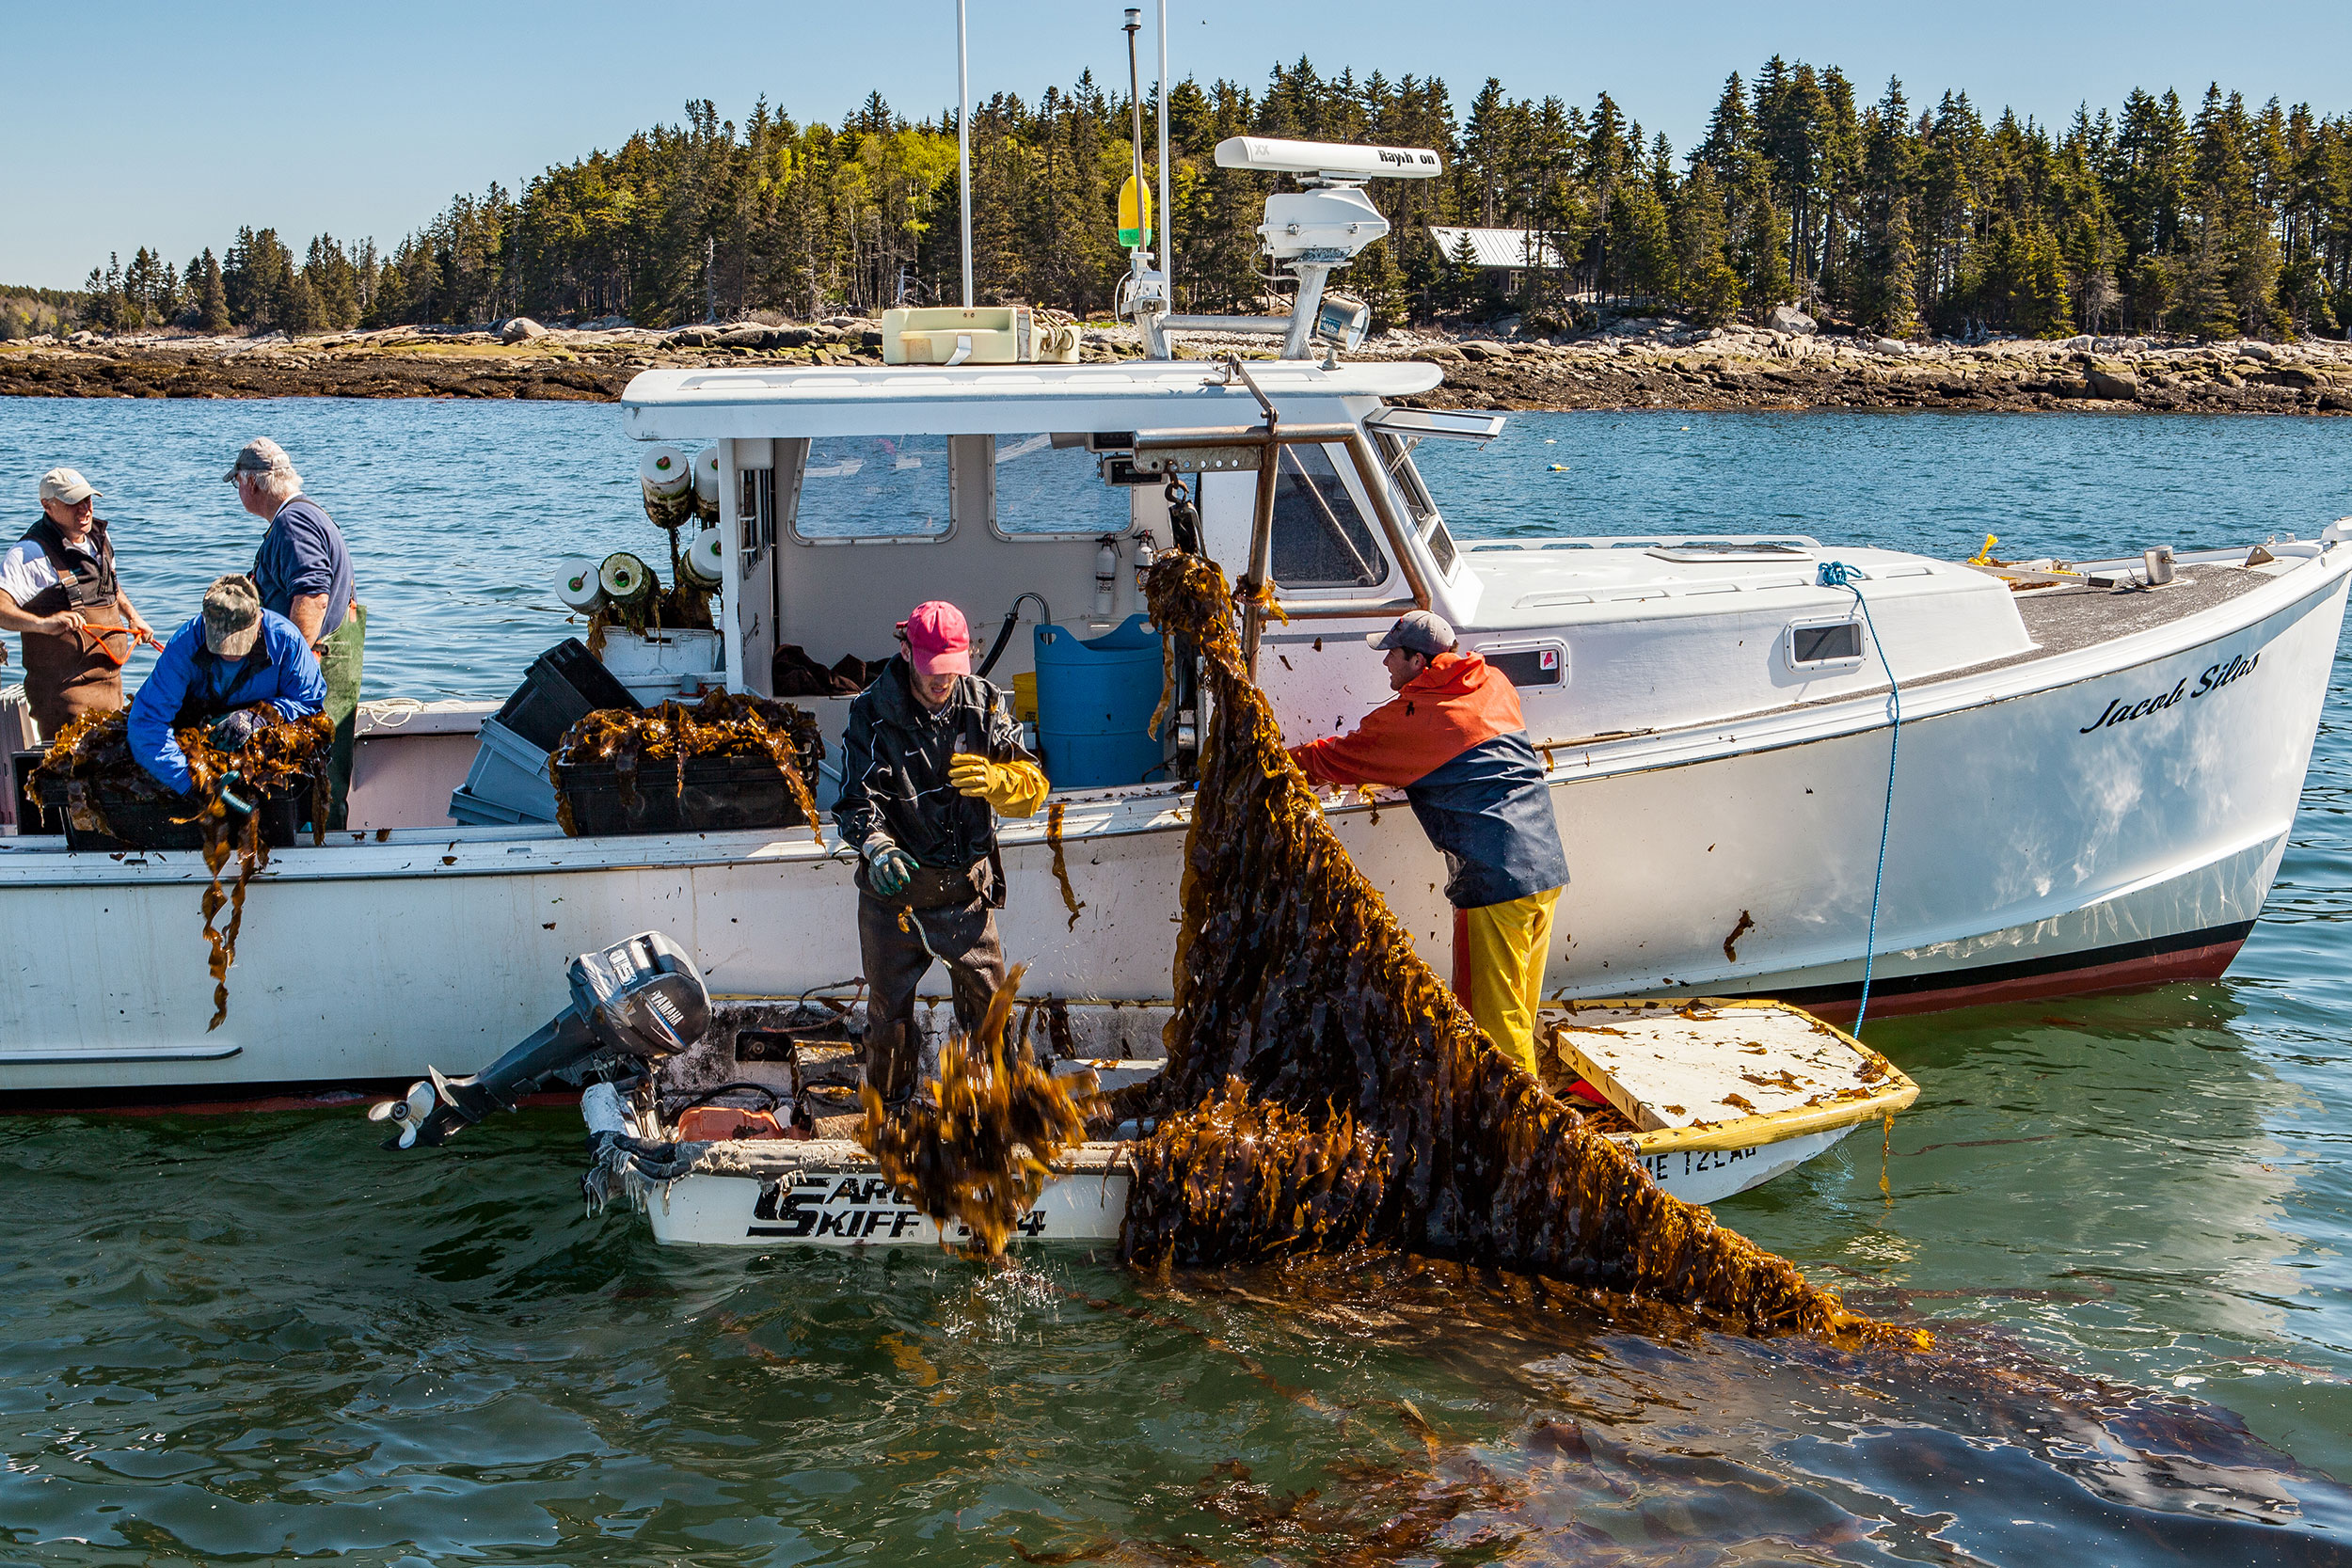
[
  {"x": 888, "y": 866},
  {"x": 232, "y": 730}
]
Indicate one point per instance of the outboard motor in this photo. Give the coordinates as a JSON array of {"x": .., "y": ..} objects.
[{"x": 636, "y": 1001}]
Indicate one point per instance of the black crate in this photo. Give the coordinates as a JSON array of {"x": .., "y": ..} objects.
[
  {"x": 720, "y": 793},
  {"x": 565, "y": 684},
  {"x": 148, "y": 823},
  {"x": 30, "y": 818}
]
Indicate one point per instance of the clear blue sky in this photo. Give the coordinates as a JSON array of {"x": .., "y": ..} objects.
[{"x": 191, "y": 118}]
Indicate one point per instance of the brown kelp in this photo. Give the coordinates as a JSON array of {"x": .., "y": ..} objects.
[
  {"x": 721, "y": 724},
  {"x": 92, "y": 757},
  {"x": 1325, "y": 1090},
  {"x": 978, "y": 1143}
]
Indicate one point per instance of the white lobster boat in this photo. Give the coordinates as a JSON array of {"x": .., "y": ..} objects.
[{"x": 2097, "y": 771}]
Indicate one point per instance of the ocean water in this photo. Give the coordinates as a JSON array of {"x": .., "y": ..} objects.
[{"x": 2127, "y": 1218}]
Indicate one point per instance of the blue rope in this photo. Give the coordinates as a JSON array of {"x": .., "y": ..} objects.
[{"x": 1837, "y": 574}]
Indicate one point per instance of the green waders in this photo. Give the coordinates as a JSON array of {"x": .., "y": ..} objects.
[{"x": 341, "y": 668}]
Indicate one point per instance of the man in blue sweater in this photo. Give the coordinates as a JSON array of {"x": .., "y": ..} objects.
[
  {"x": 303, "y": 572},
  {"x": 213, "y": 671}
]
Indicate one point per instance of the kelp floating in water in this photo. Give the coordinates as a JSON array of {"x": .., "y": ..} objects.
[
  {"x": 721, "y": 724},
  {"x": 92, "y": 756},
  {"x": 978, "y": 1145},
  {"x": 1325, "y": 1090}
]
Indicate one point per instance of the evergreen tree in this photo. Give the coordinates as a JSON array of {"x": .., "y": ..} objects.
[
  {"x": 211, "y": 298},
  {"x": 1710, "y": 286},
  {"x": 1897, "y": 293}
]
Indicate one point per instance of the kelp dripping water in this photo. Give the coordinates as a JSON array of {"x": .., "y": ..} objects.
[
  {"x": 1325, "y": 1091},
  {"x": 92, "y": 756},
  {"x": 721, "y": 724},
  {"x": 978, "y": 1144}
]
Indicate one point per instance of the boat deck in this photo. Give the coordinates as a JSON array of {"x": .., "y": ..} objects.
[{"x": 2062, "y": 620}]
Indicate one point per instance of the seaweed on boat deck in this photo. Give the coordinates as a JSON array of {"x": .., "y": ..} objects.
[
  {"x": 1326, "y": 1092},
  {"x": 92, "y": 756},
  {"x": 721, "y": 724}
]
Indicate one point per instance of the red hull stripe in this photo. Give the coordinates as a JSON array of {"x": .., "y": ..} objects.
[{"x": 2198, "y": 956}]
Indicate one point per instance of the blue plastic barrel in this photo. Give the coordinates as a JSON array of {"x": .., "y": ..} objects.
[{"x": 1094, "y": 704}]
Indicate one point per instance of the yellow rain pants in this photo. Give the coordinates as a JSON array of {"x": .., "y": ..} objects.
[{"x": 1498, "y": 954}]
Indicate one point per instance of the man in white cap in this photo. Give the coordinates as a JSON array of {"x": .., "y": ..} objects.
[
  {"x": 1454, "y": 741},
  {"x": 58, "y": 591},
  {"x": 303, "y": 572},
  {"x": 216, "y": 670},
  {"x": 929, "y": 756}
]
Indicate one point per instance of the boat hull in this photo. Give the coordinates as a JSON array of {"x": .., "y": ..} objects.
[
  {"x": 2034, "y": 849},
  {"x": 851, "y": 1206}
]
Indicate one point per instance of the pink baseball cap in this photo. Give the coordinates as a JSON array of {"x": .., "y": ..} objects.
[{"x": 937, "y": 639}]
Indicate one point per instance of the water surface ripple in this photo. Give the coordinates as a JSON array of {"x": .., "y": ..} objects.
[{"x": 253, "y": 1340}]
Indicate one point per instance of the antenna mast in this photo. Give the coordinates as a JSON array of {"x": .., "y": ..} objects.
[
  {"x": 1168, "y": 212},
  {"x": 1143, "y": 294},
  {"x": 963, "y": 140}
]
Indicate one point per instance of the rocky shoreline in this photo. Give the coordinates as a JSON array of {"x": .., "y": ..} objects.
[{"x": 1633, "y": 364}]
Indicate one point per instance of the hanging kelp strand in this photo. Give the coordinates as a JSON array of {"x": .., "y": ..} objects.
[
  {"x": 1325, "y": 1091},
  {"x": 976, "y": 1144},
  {"x": 285, "y": 756}
]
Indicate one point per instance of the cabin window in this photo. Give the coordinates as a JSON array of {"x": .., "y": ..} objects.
[
  {"x": 1320, "y": 539},
  {"x": 1824, "y": 644},
  {"x": 874, "y": 487},
  {"x": 1052, "y": 488},
  {"x": 1398, "y": 455}
]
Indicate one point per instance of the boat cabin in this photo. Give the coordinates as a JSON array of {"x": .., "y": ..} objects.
[{"x": 1031, "y": 495}]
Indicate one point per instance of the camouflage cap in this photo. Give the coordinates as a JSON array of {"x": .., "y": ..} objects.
[{"x": 232, "y": 616}]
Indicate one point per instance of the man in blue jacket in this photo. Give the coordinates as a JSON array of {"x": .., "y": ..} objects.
[{"x": 213, "y": 671}]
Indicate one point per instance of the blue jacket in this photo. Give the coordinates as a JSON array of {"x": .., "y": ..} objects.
[
  {"x": 1455, "y": 742},
  {"x": 189, "y": 679}
]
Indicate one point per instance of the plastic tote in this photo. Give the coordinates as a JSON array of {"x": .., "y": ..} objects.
[{"x": 1094, "y": 704}]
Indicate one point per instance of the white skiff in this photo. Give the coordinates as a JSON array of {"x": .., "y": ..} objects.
[{"x": 1721, "y": 1096}]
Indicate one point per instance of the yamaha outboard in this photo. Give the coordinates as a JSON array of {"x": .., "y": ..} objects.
[{"x": 632, "y": 1004}]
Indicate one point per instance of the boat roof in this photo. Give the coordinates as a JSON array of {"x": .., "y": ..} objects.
[{"x": 927, "y": 400}]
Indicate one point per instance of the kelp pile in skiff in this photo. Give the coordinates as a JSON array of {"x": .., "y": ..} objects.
[
  {"x": 673, "y": 734},
  {"x": 978, "y": 1143},
  {"x": 1325, "y": 1090},
  {"x": 92, "y": 757}
]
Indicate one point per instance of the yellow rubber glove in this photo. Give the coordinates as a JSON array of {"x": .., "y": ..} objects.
[{"x": 1014, "y": 789}]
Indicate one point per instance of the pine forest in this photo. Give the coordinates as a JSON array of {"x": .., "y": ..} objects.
[{"x": 2204, "y": 218}]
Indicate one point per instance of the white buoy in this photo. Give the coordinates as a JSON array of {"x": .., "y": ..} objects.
[
  {"x": 706, "y": 485},
  {"x": 702, "y": 559},
  {"x": 665, "y": 473},
  {"x": 575, "y": 583},
  {"x": 625, "y": 579}
]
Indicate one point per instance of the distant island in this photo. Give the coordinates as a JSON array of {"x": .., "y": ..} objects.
[{"x": 1894, "y": 220}]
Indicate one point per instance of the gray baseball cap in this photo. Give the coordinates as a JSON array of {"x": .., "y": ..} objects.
[
  {"x": 1418, "y": 631},
  {"x": 67, "y": 485},
  {"x": 260, "y": 455},
  {"x": 232, "y": 616}
]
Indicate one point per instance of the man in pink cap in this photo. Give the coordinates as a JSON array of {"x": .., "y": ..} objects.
[{"x": 929, "y": 756}]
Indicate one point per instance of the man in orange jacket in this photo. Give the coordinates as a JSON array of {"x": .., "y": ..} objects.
[{"x": 1453, "y": 740}]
